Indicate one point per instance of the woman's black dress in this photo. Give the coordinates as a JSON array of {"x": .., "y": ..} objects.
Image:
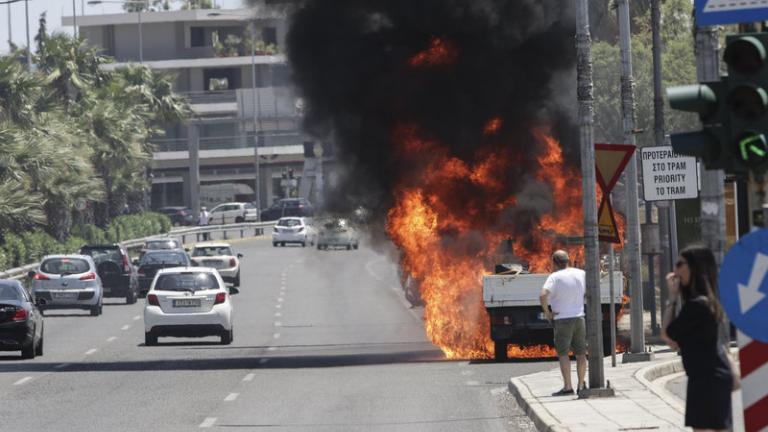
[{"x": 708, "y": 399}]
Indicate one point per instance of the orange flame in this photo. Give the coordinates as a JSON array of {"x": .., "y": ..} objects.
[
  {"x": 441, "y": 52},
  {"x": 448, "y": 245}
]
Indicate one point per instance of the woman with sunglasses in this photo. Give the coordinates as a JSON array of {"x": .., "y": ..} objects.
[{"x": 695, "y": 333}]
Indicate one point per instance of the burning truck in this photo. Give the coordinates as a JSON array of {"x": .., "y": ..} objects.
[{"x": 454, "y": 121}]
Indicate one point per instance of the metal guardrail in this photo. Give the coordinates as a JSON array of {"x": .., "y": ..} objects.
[{"x": 184, "y": 233}]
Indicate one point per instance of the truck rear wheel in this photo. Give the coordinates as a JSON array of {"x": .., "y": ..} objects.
[{"x": 500, "y": 350}]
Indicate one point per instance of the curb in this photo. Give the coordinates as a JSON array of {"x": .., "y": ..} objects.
[
  {"x": 535, "y": 411},
  {"x": 649, "y": 374}
]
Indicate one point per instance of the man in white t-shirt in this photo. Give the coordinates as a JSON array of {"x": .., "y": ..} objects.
[
  {"x": 203, "y": 220},
  {"x": 563, "y": 291}
]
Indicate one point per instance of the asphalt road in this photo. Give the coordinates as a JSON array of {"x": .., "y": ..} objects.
[{"x": 323, "y": 342}]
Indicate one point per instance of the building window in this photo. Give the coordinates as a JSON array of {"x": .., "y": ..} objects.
[
  {"x": 197, "y": 36},
  {"x": 269, "y": 35}
]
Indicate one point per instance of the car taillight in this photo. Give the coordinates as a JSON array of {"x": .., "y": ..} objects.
[
  {"x": 232, "y": 262},
  {"x": 220, "y": 297},
  {"x": 20, "y": 315},
  {"x": 88, "y": 277},
  {"x": 152, "y": 300},
  {"x": 40, "y": 276}
]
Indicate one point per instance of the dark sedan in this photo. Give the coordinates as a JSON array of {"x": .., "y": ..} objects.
[
  {"x": 21, "y": 323},
  {"x": 153, "y": 260},
  {"x": 180, "y": 216}
]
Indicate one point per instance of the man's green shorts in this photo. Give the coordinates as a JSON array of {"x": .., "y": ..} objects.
[{"x": 570, "y": 334}]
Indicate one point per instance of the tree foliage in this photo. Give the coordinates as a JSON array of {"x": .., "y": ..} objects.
[
  {"x": 678, "y": 67},
  {"x": 72, "y": 131}
]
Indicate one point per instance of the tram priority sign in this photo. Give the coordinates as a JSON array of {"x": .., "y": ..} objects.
[
  {"x": 744, "y": 285},
  {"x": 668, "y": 175},
  {"x": 721, "y": 12}
]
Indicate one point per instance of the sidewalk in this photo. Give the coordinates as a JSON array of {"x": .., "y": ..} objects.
[{"x": 638, "y": 404}]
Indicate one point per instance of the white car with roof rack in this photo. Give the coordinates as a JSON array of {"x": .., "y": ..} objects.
[
  {"x": 188, "y": 302},
  {"x": 219, "y": 255}
]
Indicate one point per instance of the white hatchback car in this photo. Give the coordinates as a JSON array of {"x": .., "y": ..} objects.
[
  {"x": 188, "y": 302},
  {"x": 293, "y": 230},
  {"x": 219, "y": 255},
  {"x": 233, "y": 212}
]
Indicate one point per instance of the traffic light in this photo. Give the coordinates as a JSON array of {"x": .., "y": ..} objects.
[
  {"x": 706, "y": 100},
  {"x": 745, "y": 55}
]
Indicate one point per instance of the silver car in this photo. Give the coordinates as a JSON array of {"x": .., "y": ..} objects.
[{"x": 67, "y": 282}]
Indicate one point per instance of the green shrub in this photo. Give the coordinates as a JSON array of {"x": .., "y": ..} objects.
[
  {"x": 29, "y": 247},
  {"x": 15, "y": 250}
]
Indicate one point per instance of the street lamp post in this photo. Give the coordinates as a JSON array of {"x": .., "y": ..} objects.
[
  {"x": 10, "y": 36},
  {"x": 257, "y": 135},
  {"x": 141, "y": 2}
]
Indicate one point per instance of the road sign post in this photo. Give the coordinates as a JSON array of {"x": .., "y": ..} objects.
[{"x": 744, "y": 295}]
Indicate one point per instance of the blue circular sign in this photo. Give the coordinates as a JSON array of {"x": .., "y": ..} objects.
[{"x": 744, "y": 285}]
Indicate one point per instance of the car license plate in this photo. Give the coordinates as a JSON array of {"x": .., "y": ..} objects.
[
  {"x": 63, "y": 295},
  {"x": 186, "y": 303},
  {"x": 212, "y": 263}
]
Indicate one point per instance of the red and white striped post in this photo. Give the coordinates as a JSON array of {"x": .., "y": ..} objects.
[{"x": 753, "y": 356}]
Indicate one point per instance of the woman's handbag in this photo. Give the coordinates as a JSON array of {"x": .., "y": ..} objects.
[{"x": 735, "y": 372}]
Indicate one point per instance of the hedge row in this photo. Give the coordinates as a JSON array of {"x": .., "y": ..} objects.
[{"x": 29, "y": 247}]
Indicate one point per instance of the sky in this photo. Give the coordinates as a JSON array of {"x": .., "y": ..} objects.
[{"x": 54, "y": 10}]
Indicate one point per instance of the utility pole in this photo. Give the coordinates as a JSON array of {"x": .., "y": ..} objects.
[
  {"x": 29, "y": 46},
  {"x": 10, "y": 34},
  {"x": 587, "y": 144},
  {"x": 632, "y": 247},
  {"x": 74, "y": 17}
]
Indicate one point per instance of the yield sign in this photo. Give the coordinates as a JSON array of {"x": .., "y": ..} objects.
[
  {"x": 610, "y": 160},
  {"x": 607, "y": 230}
]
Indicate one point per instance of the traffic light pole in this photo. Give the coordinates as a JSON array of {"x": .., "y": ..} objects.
[
  {"x": 632, "y": 247},
  {"x": 712, "y": 181}
]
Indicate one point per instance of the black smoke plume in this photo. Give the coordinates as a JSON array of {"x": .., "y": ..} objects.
[{"x": 352, "y": 62}]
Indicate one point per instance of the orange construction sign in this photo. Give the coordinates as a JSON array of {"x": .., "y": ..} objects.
[
  {"x": 610, "y": 160},
  {"x": 607, "y": 230}
]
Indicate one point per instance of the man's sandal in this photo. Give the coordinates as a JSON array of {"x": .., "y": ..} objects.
[{"x": 563, "y": 392}]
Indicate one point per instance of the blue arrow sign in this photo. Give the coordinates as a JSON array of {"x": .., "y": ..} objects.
[
  {"x": 744, "y": 285},
  {"x": 717, "y": 12}
]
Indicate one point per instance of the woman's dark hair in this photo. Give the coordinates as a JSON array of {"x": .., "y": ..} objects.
[{"x": 703, "y": 281}]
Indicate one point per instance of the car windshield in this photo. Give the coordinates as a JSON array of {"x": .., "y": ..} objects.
[
  {"x": 212, "y": 251},
  {"x": 9, "y": 292},
  {"x": 64, "y": 266},
  {"x": 103, "y": 254},
  {"x": 192, "y": 281},
  {"x": 172, "y": 258},
  {"x": 162, "y": 244},
  {"x": 289, "y": 222}
]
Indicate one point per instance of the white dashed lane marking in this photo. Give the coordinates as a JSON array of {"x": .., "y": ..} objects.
[
  {"x": 280, "y": 299},
  {"x": 271, "y": 349},
  {"x": 111, "y": 338},
  {"x": 279, "y": 306},
  {"x": 125, "y": 327},
  {"x": 22, "y": 381},
  {"x": 208, "y": 422},
  {"x": 230, "y": 397},
  {"x": 137, "y": 317},
  {"x": 278, "y": 314},
  {"x": 250, "y": 376},
  {"x": 278, "y": 324},
  {"x": 91, "y": 351},
  {"x": 276, "y": 335}
]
